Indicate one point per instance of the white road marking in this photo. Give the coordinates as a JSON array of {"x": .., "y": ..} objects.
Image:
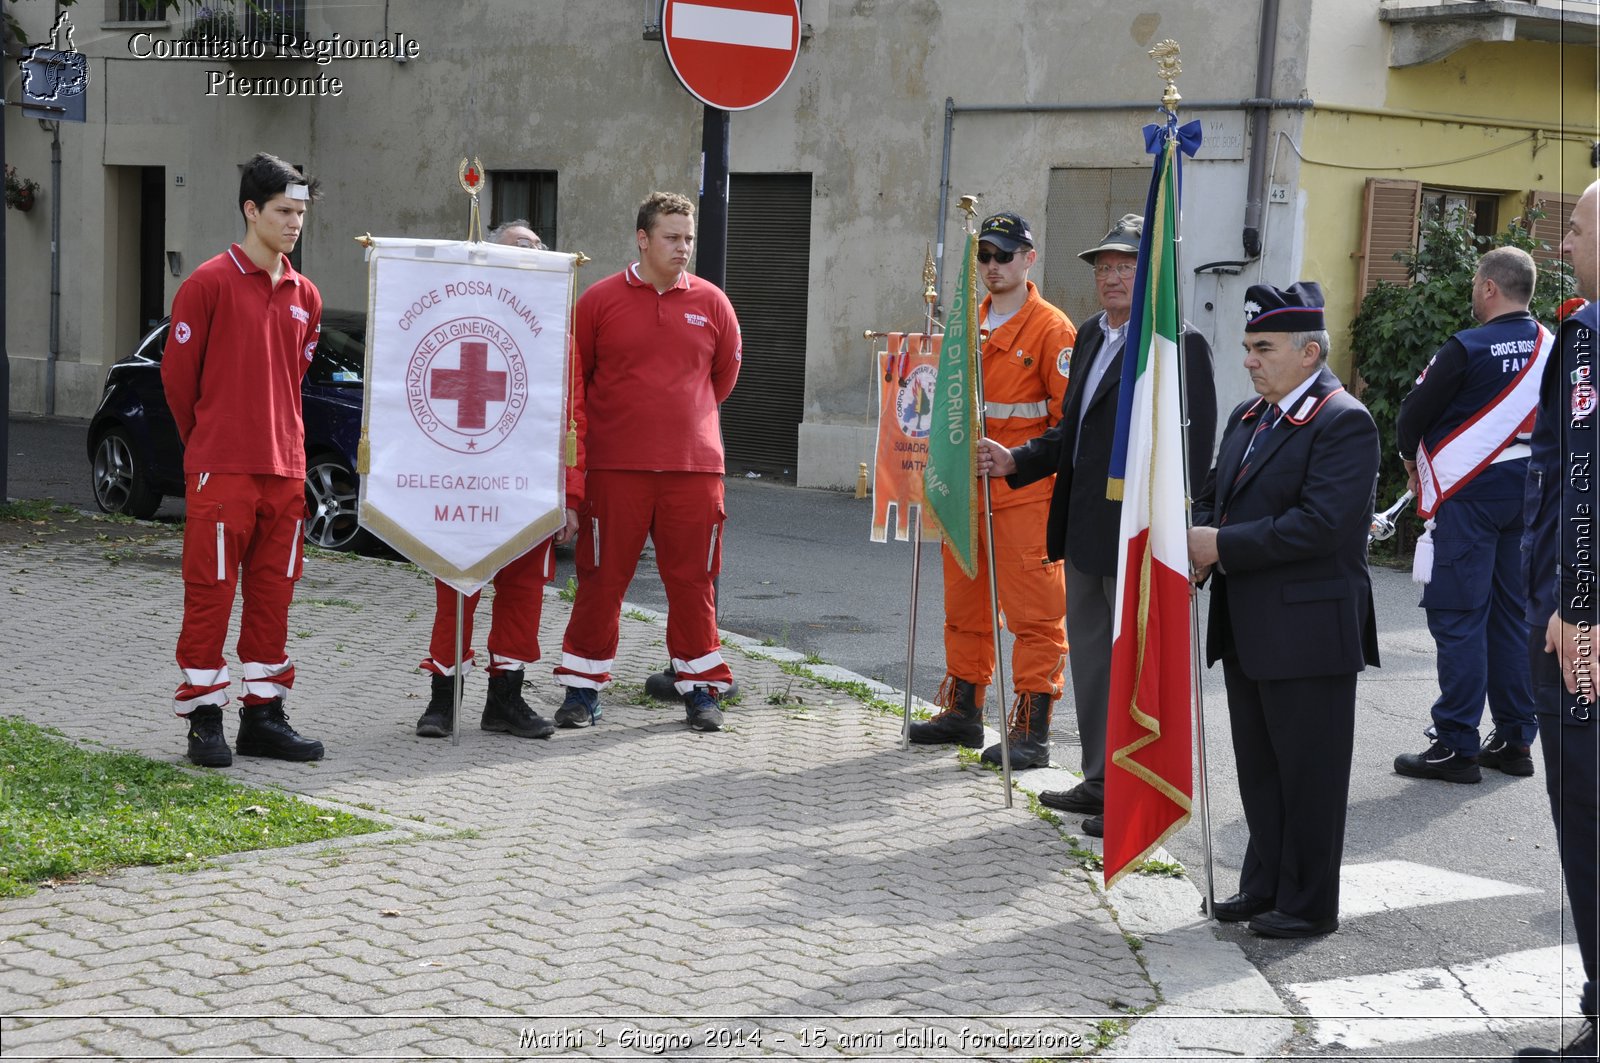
[
  {"x": 1495, "y": 994},
  {"x": 1391, "y": 885},
  {"x": 726, "y": 25}
]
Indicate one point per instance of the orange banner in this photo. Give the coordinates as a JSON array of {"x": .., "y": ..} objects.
[{"x": 906, "y": 374}]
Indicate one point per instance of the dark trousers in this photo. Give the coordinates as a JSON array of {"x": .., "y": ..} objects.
[
  {"x": 1570, "y": 735},
  {"x": 1475, "y": 608},
  {"x": 1293, "y": 740},
  {"x": 1091, "y": 608}
]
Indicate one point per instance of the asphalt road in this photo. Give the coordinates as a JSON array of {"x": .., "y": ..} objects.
[{"x": 799, "y": 569}]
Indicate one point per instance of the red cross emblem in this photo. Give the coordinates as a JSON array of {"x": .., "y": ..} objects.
[
  {"x": 451, "y": 402},
  {"x": 473, "y": 386}
]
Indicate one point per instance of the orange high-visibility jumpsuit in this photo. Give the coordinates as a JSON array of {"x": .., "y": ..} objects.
[{"x": 1025, "y": 365}]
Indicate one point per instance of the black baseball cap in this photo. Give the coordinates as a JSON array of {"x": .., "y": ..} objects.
[{"x": 1006, "y": 230}]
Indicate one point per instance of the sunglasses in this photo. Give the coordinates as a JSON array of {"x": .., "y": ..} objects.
[{"x": 1001, "y": 257}]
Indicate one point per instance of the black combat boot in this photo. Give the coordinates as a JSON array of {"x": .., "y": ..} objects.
[
  {"x": 1029, "y": 734},
  {"x": 961, "y": 722},
  {"x": 506, "y": 710},
  {"x": 440, "y": 715},
  {"x": 207, "y": 746},
  {"x": 264, "y": 731}
]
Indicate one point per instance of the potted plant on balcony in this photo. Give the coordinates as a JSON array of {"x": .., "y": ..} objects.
[{"x": 19, "y": 190}]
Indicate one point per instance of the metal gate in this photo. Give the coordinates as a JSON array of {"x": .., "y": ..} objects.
[{"x": 769, "y": 271}]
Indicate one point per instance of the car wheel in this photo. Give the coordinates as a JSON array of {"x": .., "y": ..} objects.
[
  {"x": 121, "y": 482},
  {"x": 333, "y": 496}
]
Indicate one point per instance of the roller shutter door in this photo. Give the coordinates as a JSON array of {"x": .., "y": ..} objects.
[{"x": 769, "y": 269}]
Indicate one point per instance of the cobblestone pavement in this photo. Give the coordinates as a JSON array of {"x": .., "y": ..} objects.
[{"x": 794, "y": 886}]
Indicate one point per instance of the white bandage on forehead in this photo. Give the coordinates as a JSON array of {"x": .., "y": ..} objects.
[{"x": 298, "y": 191}]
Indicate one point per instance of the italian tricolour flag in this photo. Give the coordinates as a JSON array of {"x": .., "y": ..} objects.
[{"x": 1149, "y": 778}]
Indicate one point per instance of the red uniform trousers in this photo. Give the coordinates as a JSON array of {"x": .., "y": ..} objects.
[
  {"x": 233, "y": 520},
  {"x": 682, "y": 513},
  {"x": 1033, "y": 597},
  {"x": 514, "y": 628}
]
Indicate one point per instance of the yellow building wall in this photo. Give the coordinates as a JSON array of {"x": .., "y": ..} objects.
[{"x": 1501, "y": 118}]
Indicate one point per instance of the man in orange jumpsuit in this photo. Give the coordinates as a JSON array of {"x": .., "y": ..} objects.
[{"x": 1027, "y": 350}]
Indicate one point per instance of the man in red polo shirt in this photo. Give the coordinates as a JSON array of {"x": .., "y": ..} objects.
[
  {"x": 244, "y": 328},
  {"x": 658, "y": 349}
]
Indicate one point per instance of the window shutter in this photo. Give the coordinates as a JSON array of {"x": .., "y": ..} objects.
[
  {"x": 1550, "y": 229},
  {"x": 1388, "y": 225}
]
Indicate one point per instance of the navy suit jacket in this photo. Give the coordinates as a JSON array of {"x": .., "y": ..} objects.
[
  {"x": 1083, "y": 524},
  {"x": 1291, "y": 595}
]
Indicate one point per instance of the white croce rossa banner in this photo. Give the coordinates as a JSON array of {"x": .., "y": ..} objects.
[{"x": 466, "y": 412}]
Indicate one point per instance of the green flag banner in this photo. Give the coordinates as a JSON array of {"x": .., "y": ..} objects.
[{"x": 950, "y": 479}]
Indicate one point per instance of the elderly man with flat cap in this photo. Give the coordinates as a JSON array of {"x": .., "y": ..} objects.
[
  {"x": 1281, "y": 530},
  {"x": 1084, "y": 526}
]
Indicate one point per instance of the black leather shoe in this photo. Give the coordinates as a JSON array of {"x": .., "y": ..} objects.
[
  {"x": 1095, "y": 826},
  {"x": 207, "y": 747},
  {"x": 1077, "y": 799},
  {"x": 1238, "y": 908},
  {"x": 1276, "y": 924},
  {"x": 264, "y": 731},
  {"x": 1438, "y": 761},
  {"x": 1505, "y": 757}
]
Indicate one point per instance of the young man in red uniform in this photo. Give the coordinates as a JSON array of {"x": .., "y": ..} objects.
[
  {"x": 518, "y": 604},
  {"x": 658, "y": 350},
  {"x": 1027, "y": 349},
  {"x": 244, "y": 328}
]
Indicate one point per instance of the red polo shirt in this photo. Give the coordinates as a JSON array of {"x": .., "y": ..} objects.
[
  {"x": 232, "y": 366},
  {"x": 655, "y": 366}
]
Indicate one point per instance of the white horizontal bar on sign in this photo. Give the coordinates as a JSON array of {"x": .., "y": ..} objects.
[{"x": 726, "y": 25}]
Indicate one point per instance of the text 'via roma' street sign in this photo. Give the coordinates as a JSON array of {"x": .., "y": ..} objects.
[{"x": 731, "y": 54}]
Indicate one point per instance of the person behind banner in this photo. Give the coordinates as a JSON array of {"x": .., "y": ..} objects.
[
  {"x": 245, "y": 325},
  {"x": 1281, "y": 529},
  {"x": 1084, "y": 525},
  {"x": 658, "y": 351},
  {"x": 1467, "y": 422},
  {"x": 1027, "y": 349},
  {"x": 1560, "y": 507},
  {"x": 513, "y": 642}
]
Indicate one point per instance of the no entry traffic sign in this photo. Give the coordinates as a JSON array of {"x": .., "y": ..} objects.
[{"x": 731, "y": 54}]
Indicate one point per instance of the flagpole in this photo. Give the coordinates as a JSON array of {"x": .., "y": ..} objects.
[
  {"x": 969, "y": 206},
  {"x": 458, "y": 679},
  {"x": 1165, "y": 55},
  {"x": 930, "y": 295}
]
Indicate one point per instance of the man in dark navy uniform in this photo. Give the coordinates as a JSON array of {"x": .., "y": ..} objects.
[
  {"x": 1464, "y": 432},
  {"x": 1281, "y": 529},
  {"x": 1564, "y": 601}
]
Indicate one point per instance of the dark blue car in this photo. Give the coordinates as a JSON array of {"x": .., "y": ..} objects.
[{"x": 137, "y": 457}]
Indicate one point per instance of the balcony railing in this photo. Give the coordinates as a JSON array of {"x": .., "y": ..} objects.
[{"x": 266, "y": 22}]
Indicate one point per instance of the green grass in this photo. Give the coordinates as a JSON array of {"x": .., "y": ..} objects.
[
  {"x": 569, "y": 593},
  {"x": 34, "y": 509},
  {"x": 66, "y": 810}
]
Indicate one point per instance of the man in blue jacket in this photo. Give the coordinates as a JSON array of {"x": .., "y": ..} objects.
[
  {"x": 1564, "y": 601},
  {"x": 1463, "y": 432}
]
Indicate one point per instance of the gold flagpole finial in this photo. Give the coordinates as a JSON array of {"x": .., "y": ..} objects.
[
  {"x": 1168, "y": 67},
  {"x": 365, "y": 239},
  {"x": 470, "y": 174},
  {"x": 968, "y": 205},
  {"x": 930, "y": 276}
]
